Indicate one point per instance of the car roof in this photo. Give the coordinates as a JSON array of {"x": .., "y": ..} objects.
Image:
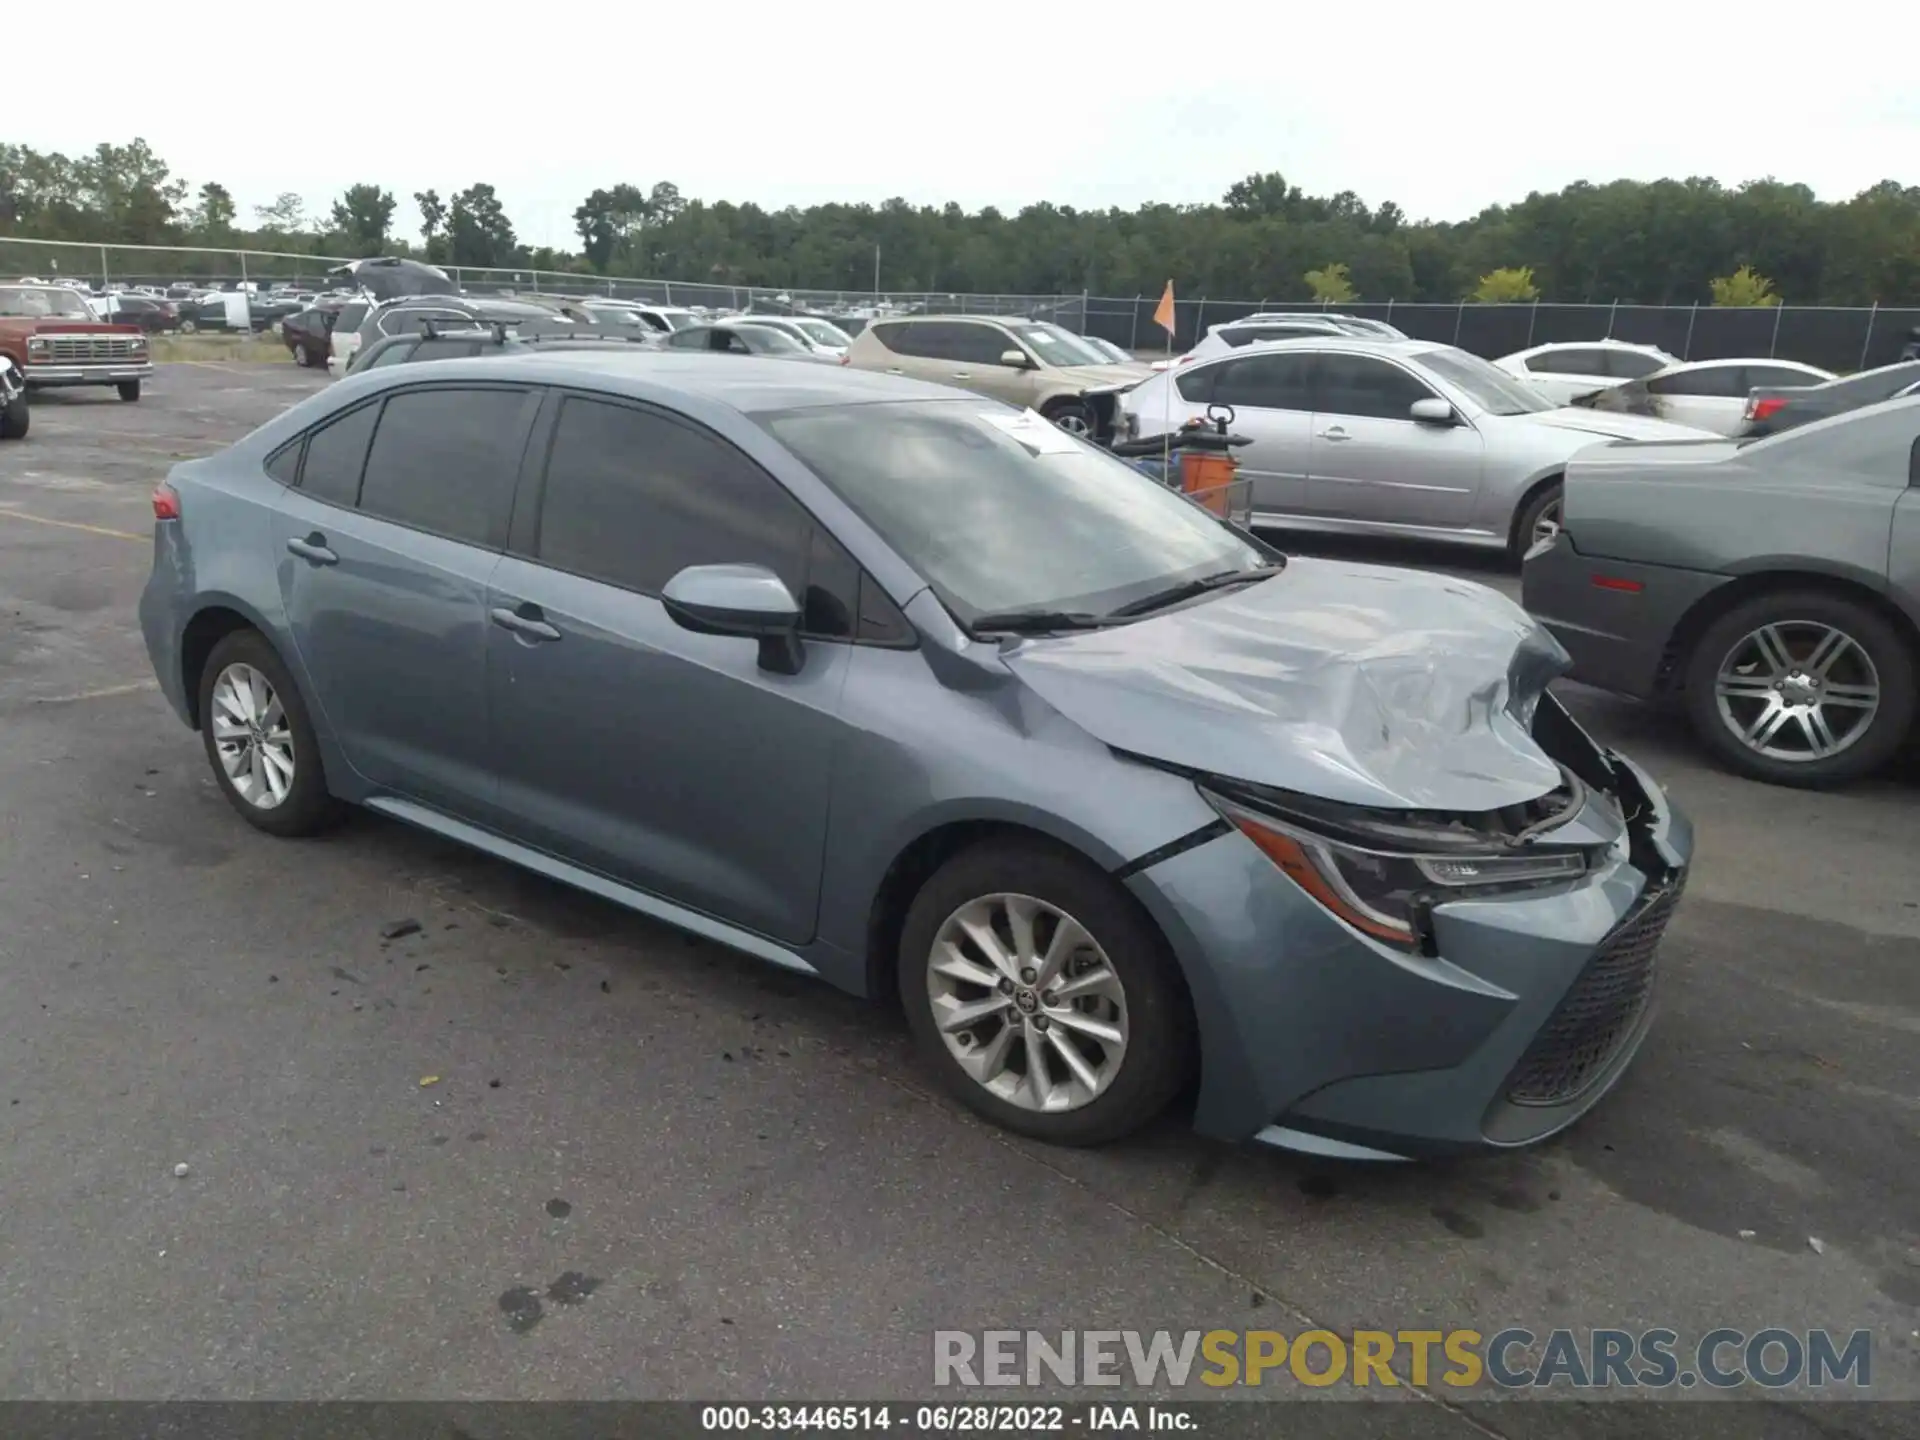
[
  {"x": 1344, "y": 342},
  {"x": 747, "y": 384},
  {"x": 1608, "y": 343}
]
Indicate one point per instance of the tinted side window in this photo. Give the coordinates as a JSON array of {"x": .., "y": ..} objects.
[
  {"x": 445, "y": 461},
  {"x": 1360, "y": 385},
  {"x": 1196, "y": 385},
  {"x": 633, "y": 498},
  {"x": 1778, "y": 376},
  {"x": 1569, "y": 362},
  {"x": 1719, "y": 381},
  {"x": 881, "y": 622},
  {"x": 284, "y": 464},
  {"x": 350, "y": 316},
  {"x": 445, "y": 349},
  {"x": 1268, "y": 382},
  {"x": 690, "y": 339},
  {"x": 393, "y": 354},
  {"x": 897, "y": 338},
  {"x": 336, "y": 454},
  {"x": 1631, "y": 364},
  {"x": 980, "y": 344}
]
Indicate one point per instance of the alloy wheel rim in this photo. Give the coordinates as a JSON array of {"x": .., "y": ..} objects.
[
  {"x": 252, "y": 737},
  {"x": 1546, "y": 525},
  {"x": 1074, "y": 424},
  {"x": 1797, "y": 691},
  {"x": 1027, "y": 1003}
]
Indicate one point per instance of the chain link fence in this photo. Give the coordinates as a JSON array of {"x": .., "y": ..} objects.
[{"x": 1841, "y": 339}]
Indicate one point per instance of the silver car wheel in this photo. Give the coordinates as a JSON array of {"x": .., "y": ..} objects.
[
  {"x": 1546, "y": 525},
  {"x": 252, "y": 737},
  {"x": 1074, "y": 423},
  {"x": 1797, "y": 691},
  {"x": 1027, "y": 1003}
]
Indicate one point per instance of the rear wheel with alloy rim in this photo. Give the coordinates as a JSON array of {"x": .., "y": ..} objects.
[
  {"x": 259, "y": 740},
  {"x": 1540, "y": 520},
  {"x": 1802, "y": 688},
  {"x": 1043, "y": 995}
]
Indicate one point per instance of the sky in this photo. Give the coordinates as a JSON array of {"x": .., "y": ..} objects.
[{"x": 1443, "y": 109}]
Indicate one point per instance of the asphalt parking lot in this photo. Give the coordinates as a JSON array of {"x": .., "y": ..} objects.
[{"x": 536, "y": 1147}]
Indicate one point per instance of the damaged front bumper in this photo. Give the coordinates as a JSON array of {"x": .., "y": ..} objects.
[{"x": 1528, "y": 1009}]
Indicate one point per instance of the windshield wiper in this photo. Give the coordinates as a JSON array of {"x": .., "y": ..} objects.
[
  {"x": 1034, "y": 622},
  {"x": 1187, "y": 590}
]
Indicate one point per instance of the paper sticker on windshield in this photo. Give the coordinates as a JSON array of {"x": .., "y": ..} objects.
[{"x": 1034, "y": 431}]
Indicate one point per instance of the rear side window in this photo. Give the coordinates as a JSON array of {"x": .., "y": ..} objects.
[
  {"x": 1632, "y": 364},
  {"x": 633, "y": 498},
  {"x": 336, "y": 454},
  {"x": 1722, "y": 382},
  {"x": 897, "y": 338},
  {"x": 1267, "y": 382},
  {"x": 1569, "y": 362},
  {"x": 445, "y": 349},
  {"x": 392, "y": 354},
  {"x": 284, "y": 464},
  {"x": 445, "y": 461},
  {"x": 1777, "y": 377}
]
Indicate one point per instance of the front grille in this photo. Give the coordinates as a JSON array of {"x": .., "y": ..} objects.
[
  {"x": 84, "y": 349},
  {"x": 1600, "y": 1010}
]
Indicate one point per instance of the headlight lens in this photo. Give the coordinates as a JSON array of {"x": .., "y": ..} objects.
[
  {"x": 1382, "y": 894},
  {"x": 37, "y": 345}
]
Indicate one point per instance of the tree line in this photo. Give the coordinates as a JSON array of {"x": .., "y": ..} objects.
[{"x": 1662, "y": 242}]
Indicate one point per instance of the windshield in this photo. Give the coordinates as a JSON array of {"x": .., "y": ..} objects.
[
  {"x": 1057, "y": 346},
  {"x": 1002, "y": 511},
  {"x": 1487, "y": 386},
  {"x": 821, "y": 333},
  {"x": 36, "y": 302}
]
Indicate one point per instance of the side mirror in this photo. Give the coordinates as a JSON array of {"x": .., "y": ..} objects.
[
  {"x": 749, "y": 601},
  {"x": 1016, "y": 358},
  {"x": 1434, "y": 411}
]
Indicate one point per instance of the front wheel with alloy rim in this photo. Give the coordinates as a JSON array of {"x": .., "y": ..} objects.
[
  {"x": 1043, "y": 995},
  {"x": 1072, "y": 416},
  {"x": 259, "y": 740},
  {"x": 1540, "y": 519},
  {"x": 1801, "y": 688}
]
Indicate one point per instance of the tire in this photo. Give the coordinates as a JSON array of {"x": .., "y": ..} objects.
[
  {"x": 129, "y": 390},
  {"x": 1876, "y": 659},
  {"x": 302, "y": 356},
  {"x": 15, "y": 419},
  {"x": 305, "y": 807},
  {"x": 1073, "y": 416},
  {"x": 187, "y": 327},
  {"x": 1153, "y": 1015},
  {"x": 1543, "y": 507}
]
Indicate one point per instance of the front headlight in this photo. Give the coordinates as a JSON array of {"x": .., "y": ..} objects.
[
  {"x": 1387, "y": 893},
  {"x": 37, "y": 345},
  {"x": 138, "y": 345}
]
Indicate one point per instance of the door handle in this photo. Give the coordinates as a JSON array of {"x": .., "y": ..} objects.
[
  {"x": 1334, "y": 432},
  {"x": 525, "y": 622},
  {"x": 894, "y": 370},
  {"x": 963, "y": 374},
  {"x": 313, "y": 548}
]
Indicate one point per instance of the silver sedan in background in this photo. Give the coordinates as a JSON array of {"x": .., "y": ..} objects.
[{"x": 1398, "y": 437}]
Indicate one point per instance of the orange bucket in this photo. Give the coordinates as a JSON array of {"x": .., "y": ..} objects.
[{"x": 1207, "y": 477}]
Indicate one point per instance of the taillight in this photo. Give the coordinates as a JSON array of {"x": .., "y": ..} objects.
[
  {"x": 1758, "y": 409},
  {"x": 166, "y": 502}
]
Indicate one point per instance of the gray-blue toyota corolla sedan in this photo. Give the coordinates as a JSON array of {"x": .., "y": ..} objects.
[{"x": 900, "y": 687}]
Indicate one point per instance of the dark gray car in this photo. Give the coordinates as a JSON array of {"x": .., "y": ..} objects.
[
  {"x": 1771, "y": 586},
  {"x": 1774, "y": 409},
  {"x": 905, "y": 688}
]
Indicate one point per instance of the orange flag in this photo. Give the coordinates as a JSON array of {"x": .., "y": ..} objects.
[{"x": 1163, "y": 312}]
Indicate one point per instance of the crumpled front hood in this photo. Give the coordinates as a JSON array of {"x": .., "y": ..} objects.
[
  {"x": 1354, "y": 683},
  {"x": 1615, "y": 425}
]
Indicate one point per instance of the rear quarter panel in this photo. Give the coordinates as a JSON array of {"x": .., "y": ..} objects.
[{"x": 1730, "y": 517}]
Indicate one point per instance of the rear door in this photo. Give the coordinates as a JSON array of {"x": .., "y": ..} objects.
[
  {"x": 386, "y": 543},
  {"x": 1372, "y": 461},
  {"x": 924, "y": 349},
  {"x": 1271, "y": 396},
  {"x": 1711, "y": 396},
  {"x": 668, "y": 760}
]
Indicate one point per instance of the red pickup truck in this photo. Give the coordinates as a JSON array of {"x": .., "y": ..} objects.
[{"x": 52, "y": 338}]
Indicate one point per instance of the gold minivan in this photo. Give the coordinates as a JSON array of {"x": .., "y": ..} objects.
[{"x": 1030, "y": 363}]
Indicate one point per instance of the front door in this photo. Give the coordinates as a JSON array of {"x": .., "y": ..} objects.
[
  {"x": 385, "y": 547},
  {"x": 667, "y": 760},
  {"x": 1373, "y": 462},
  {"x": 975, "y": 354}
]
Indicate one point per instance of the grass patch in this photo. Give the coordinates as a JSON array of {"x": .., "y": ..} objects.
[{"x": 258, "y": 349}]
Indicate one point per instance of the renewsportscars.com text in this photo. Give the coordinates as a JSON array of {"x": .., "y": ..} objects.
[{"x": 1512, "y": 1358}]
